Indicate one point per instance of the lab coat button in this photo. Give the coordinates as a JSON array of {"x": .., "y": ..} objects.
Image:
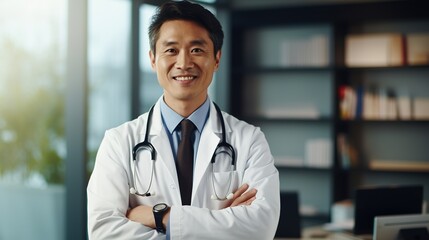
[{"x": 172, "y": 186}]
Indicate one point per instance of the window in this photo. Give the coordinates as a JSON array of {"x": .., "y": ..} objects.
[
  {"x": 108, "y": 77},
  {"x": 32, "y": 141},
  {"x": 150, "y": 90}
]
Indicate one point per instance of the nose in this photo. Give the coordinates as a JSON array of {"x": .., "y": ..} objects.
[{"x": 184, "y": 60}]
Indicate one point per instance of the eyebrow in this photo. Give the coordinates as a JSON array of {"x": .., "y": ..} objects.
[{"x": 198, "y": 42}]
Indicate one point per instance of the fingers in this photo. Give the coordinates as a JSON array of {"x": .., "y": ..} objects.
[
  {"x": 240, "y": 190},
  {"x": 244, "y": 198},
  {"x": 248, "y": 202},
  {"x": 249, "y": 194}
]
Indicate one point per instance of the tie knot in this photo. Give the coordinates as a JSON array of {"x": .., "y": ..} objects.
[{"x": 187, "y": 127}]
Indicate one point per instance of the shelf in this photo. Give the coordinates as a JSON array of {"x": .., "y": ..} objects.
[
  {"x": 362, "y": 170},
  {"x": 382, "y": 121},
  {"x": 255, "y": 69},
  {"x": 383, "y": 68},
  {"x": 302, "y": 168},
  {"x": 288, "y": 119}
]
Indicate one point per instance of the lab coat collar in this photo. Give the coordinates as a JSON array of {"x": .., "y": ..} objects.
[{"x": 210, "y": 138}]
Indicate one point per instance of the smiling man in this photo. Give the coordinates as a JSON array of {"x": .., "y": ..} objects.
[
  {"x": 185, "y": 60},
  {"x": 185, "y": 169}
]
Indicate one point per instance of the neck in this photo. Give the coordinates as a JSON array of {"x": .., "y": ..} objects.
[{"x": 184, "y": 108}]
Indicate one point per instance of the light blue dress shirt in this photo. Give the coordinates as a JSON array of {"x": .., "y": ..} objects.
[{"x": 170, "y": 120}]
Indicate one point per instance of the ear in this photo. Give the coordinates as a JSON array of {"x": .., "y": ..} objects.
[
  {"x": 152, "y": 60},
  {"x": 217, "y": 59}
]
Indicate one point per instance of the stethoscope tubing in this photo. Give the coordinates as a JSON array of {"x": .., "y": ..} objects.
[{"x": 222, "y": 147}]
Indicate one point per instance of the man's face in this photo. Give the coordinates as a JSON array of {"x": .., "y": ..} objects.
[{"x": 184, "y": 62}]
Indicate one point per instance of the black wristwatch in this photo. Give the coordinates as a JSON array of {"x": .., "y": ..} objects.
[{"x": 159, "y": 210}]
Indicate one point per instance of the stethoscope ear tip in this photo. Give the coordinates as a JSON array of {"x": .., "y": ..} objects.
[
  {"x": 132, "y": 190},
  {"x": 230, "y": 196}
]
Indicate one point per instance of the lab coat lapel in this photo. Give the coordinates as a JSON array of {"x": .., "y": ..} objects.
[{"x": 208, "y": 142}]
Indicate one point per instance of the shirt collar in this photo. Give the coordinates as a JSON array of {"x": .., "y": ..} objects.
[{"x": 171, "y": 119}]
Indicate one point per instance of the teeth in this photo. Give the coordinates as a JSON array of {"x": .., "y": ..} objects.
[{"x": 184, "y": 78}]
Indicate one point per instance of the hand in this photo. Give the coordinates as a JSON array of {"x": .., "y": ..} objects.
[{"x": 241, "y": 197}]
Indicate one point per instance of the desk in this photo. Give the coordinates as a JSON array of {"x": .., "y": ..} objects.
[{"x": 318, "y": 233}]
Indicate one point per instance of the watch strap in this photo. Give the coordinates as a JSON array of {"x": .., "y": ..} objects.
[{"x": 158, "y": 222}]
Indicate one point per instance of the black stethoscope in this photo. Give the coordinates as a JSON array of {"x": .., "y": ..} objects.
[{"x": 222, "y": 148}]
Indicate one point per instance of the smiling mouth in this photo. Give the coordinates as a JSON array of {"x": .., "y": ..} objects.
[{"x": 184, "y": 78}]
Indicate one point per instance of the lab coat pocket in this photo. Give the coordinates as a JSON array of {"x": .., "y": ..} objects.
[
  {"x": 143, "y": 180},
  {"x": 224, "y": 183}
]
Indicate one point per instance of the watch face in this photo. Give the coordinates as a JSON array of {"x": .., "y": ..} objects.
[{"x": 159, "y": 207}]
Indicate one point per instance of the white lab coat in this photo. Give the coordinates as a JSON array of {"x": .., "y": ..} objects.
[{"x": 108, "y": 188}]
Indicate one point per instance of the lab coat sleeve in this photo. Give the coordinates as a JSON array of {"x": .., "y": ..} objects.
[
  {"x": 108, "y": 194},
  {"x": 256, "y": 221}
]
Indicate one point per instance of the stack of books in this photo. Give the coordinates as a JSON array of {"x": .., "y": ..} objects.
[
  {"x": 373, "y": 103},
  {"x": 389, "y": 49}
]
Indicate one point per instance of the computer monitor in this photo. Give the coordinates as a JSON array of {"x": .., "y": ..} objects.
[
  {"x": 383, "y": 201},
  {"x": 290, "y": 221},
  {"x": 389, "y": 227}
]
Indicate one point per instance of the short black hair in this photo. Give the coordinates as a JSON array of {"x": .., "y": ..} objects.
[{"x": 185, "y": 10}]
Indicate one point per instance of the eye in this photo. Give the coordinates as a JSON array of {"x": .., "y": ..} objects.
[
  {"x": 170, "y": 50},
  {"x": 197, "y": 50}
]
